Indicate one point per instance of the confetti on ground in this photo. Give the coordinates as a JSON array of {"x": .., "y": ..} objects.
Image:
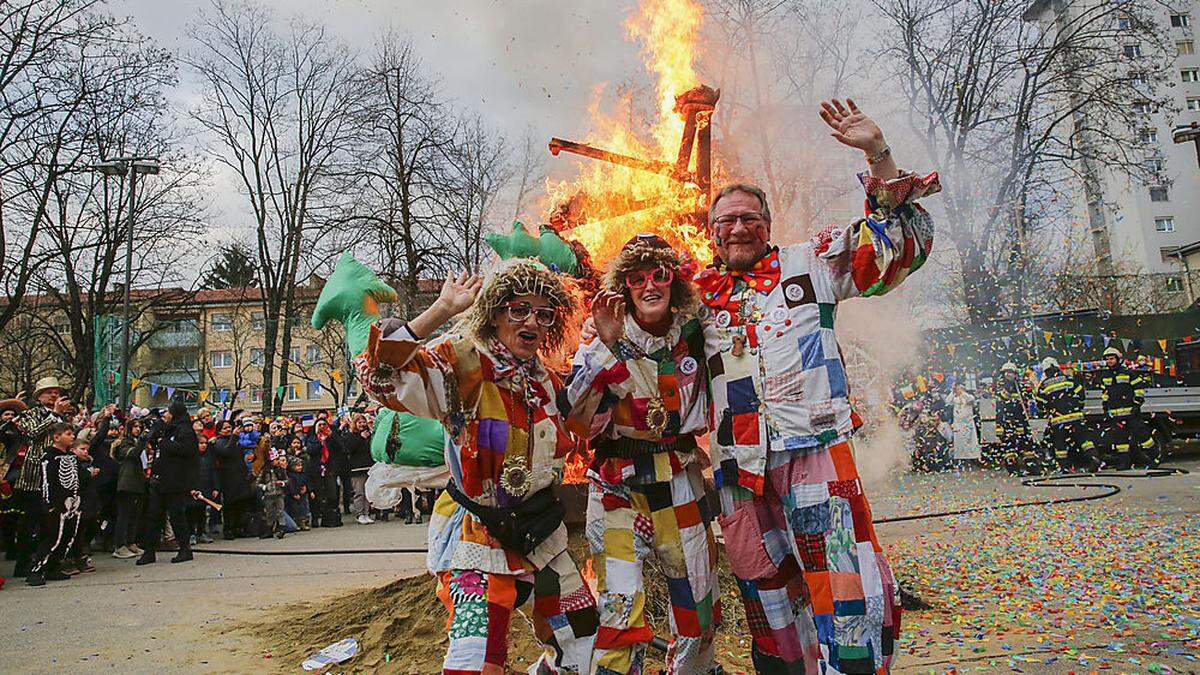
[{"x": 1045, "y": 585}]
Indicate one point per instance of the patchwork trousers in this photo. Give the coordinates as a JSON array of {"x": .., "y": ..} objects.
[
  {"x": 481, "y": 606},
  {"x": 671, "y": 522},
  {"x": 818, "y": 592}
]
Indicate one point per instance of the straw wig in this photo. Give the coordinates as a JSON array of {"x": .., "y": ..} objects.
[{"x": 509, "y": 279}]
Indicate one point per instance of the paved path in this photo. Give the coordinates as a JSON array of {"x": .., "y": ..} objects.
[{"x": 167, "y": 618}]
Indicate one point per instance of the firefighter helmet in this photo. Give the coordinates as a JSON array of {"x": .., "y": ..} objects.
[
  {"x": 1009, "y": 366},
  {"x": 1049, "y": 362},
  {"x": 1113, "y": 351}
]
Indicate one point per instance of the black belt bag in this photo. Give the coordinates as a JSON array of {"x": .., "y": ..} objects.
[{"x": 520, "y": 527}]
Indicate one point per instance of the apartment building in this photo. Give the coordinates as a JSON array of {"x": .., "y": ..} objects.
[{"x": 1136, "y": 228}]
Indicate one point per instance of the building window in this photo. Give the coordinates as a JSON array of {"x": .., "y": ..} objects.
[
  {"x": 258, "y": 357},
  {"x": 1193, "y": 104},
  {"x": 1180, "y": 21},
  {"x": 1174, "y": 285},
  {"x": 312, "y": 354},
  {"x": 314, "y": 390},
  {"x": 1185, "y": 47},
  {"x": 1164, "y": 224},
  {"x": 293, "y": 392},
  {"x": 1190, "y": 74},
  {"x": 1124, "y": 23},
  {"x": 1160, "y": 194},
  {"x": 294, "y": 354},
  {"x": 1141, "y": 107},
  {"x": 258, "y": 321},
  {"x": 222, "y": 322},
  {"x": 221, "y": 358},
  {"x": 352, "y": 390},
  {"x": 1148, "y": 136},
  {"x": 256, "y": 394},
  {"x": 1153, "y": 165},
  {"x": 1132, "y": 51}
]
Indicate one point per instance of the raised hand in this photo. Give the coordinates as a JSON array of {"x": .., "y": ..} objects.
[
  {"x": 851, "y": 126},
  {"x": 608, "y": 312},
  {"x": 459, "y": 292}
]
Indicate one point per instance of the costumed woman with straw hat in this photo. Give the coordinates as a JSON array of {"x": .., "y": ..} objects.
[
  {"x": 639, "y": 392},
  {"x": 49, "y": 407},
  {"x": 496, "y": 536}
]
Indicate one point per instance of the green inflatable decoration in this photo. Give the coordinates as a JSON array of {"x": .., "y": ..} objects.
[
  {"x": 549, "y": 248},
  {"x": 351, "y": 296}
]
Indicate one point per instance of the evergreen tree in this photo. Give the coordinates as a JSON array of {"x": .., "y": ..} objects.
[{"x": 235, "y": 267}]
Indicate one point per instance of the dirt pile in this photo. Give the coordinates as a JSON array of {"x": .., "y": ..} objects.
[{"x": 401, "y": 627}]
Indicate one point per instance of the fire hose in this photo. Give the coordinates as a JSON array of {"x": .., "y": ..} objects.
[{"x": 1106, "y": 490}]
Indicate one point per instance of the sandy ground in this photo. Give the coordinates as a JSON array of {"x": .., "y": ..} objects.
[{"x": 178, "y": 618}]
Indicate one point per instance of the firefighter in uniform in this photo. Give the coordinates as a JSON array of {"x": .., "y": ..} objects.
[
  {"x": 1123, "y": 392},
  {"x": 1012, "y": 420},
  {"x": 1061, "y": 398}
]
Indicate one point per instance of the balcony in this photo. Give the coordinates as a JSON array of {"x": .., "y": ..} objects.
[
  {"x": 176, "y": 339},
  {"x": 184, "y": 377}
]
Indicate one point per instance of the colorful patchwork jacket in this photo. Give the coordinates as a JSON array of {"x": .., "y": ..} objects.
[
  {"x": 777, "y": 378},
  {"x": 488, "y": 412},
  {"x": 607, "y": 394}
]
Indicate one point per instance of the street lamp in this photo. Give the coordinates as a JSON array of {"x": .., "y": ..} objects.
[{"x": 133, "y": 166}]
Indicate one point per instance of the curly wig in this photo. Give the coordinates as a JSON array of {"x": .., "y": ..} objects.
[
  {"x": 647, "y": 251},
  {"x": 509, "y": 279}
]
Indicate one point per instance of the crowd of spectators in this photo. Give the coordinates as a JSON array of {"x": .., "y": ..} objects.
[{"x": 76, "y": 482}]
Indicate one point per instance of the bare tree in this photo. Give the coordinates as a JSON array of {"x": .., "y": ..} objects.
[
  {"x": 1013, "y": 109},
  {"x": 276, "y": 108},
  {"x": 56, "y": 56},
  {"x": 400, "y": 154},
  {"x": 530, "y": 172},
  {"x": 476, "y": 171}
]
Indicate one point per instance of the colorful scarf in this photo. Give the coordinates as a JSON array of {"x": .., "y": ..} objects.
[{"x": 525, "y": 374}]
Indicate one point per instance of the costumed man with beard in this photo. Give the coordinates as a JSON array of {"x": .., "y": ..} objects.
[
  {"x": 640, "y": 393},
  {"x": 1123, "y": 391},
  {"x": 496, "y": 537},
  {"x": 818, "y": 592},
  {"x": 1061, "y": 400},
  {"x": 50, "y": 407},
  {"x": 1012, "y": 420}
]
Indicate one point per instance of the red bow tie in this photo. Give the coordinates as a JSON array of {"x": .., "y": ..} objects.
[{"x": 716, "y": 281}]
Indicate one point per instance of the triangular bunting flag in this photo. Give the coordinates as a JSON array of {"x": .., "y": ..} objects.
[
  {"x": 316, "y": 386},
  {"x": 1048, "y": 335},
  {"x": 950, "y": 348},
  {"x": 1162, "y": 344},
  {"x": 202, "y": 396},
  {"x": 170, "y": 392},
  {"x": 224, "y": 396},
  {"x": 1087, "y": 340},
  {"x": 1107, "y": 340},
  {"x": 153, "y": 389},
  {"x": 134, "y": 383}
]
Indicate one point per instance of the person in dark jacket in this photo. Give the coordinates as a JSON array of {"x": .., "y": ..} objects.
[
  {"x": 314, "y": 450},
  {"x": 1123, "y": 391},
  {"x": 296, "y": 503},
  {"x": 233, "y": 477},
  {"x": 333, "y": 465},
  {"x": 356, "y": 443},
  {"x": 206, "y": 485},
  {"x": 1060, "y": 399},
  {"x": 1012, "y": 420},
  {"x": 129, "y": 452},
  {"x": 172, "y": 482}
]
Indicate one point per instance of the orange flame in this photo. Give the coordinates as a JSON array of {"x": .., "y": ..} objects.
[{"x": 613, "y": 203}]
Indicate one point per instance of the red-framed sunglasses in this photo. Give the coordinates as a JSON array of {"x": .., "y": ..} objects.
[{"x": 659, "y": 276}]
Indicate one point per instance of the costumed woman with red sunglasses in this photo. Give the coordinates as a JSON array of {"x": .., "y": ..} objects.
[{"x": 639, "y": 392}]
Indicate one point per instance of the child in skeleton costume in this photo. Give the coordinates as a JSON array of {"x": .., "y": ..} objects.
[
  {"x": 638, "y": 391},
  {"x": 818, "y": 592},
  {"x": 496, "y": 535},
  {"x": 61, "y": 502}
]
